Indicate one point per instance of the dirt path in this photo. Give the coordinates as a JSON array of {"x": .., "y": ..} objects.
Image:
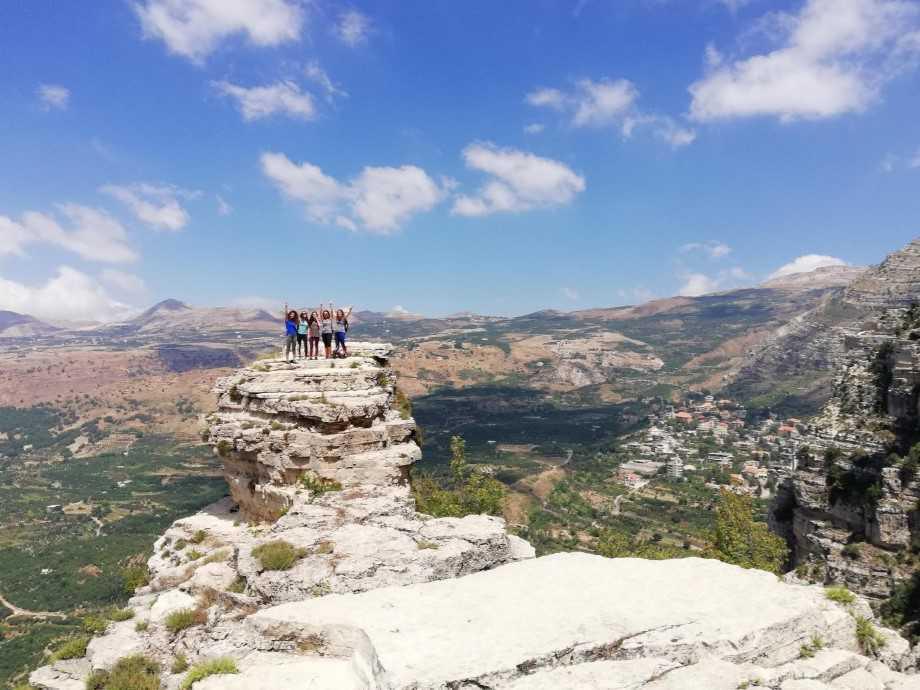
[
  {"x": 29, "y": 614},
  {"x": 99, "y": 525},
  {"x": 619, "y": 499}
]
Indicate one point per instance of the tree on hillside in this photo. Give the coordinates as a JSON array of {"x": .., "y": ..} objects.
[
  {"x": 470, "y": 492},
  {"x": 740, "y": 540}
]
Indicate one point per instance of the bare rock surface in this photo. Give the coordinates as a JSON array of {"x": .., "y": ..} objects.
[{"x": 376, "y": 596}]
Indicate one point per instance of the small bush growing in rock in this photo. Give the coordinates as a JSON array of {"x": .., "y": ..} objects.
[
  {"x": 278, "y": 555},
  {"x": 215, "y": 667},
  {"x": 853, "y": 551},
  {"x": 131, "y": 673},
  {"x": 94, "y": 625},
  {"x": 119, "y": 615},
  {"x": 403, "y": 404},
  {"x": 199, "y": 537},
  {"x": 141, "y": 626},
  {"x": 179, "y": 664},
  {"x": 224, "y": 447},
  {"x": 319, "y": 485},
  {"x": 840, "y": 595},
  {"x": 134, "y": 577},
  {"x": 276, "y": 425},
  {"x": 194, "y": 554},
  {"x": 238, "y": 586},
  {"x": 185, "y": 618},
  {"x": 807, "y": 651},
  {"x": 870, "y": 640},
  {"x": 74, "y": 648}
]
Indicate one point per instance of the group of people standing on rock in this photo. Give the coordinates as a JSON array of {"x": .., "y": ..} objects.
[{"x": 303, "y": 330}]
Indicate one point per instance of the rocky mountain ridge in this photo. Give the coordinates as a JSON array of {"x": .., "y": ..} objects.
[
  {"x": 317, "y": 572},
  {"x": 849, "y": 511}
]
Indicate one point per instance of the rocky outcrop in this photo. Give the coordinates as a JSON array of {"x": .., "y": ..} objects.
[
  {"x": 318, "y": 572},
  {"x": 804, "y": 354},
  {"x": 849, "y": 511}
]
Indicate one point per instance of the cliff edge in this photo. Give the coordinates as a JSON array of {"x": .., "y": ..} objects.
[{"x": 318, "y": 572}]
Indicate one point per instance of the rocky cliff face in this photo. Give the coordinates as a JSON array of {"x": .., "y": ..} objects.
[
  {"x": 850, "y": 510},
  {"x": 317, "y": 572},
  {"x": 804, "y": 354}
]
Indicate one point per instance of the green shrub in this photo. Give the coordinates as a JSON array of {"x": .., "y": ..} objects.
[
  {"x": 215, "y": 667},
  {"x": 198, "y": 537},
  {"x": 194, "y": 554},
  {"x": 870, "y": 640},
  {"x": 74, "y": 648},
  {"x": 840, "y": 595},
  {"x": 738, "y": 539},
  {"x": 119, "y": 615},
  {"x": 131, "y": 673},
  {"x": 141, "y": 626},
  {"x": 180, "y": 544},
  {"x": 319, "y": 485},
  {"x": 278, "y": 555},
  {"x": 276, "y": 425},
  {"x": 94, "y": 625},
  {"x": 807, "y": 651},
  {"x": 853, "y": 551},
  {"x": 224, "y": 447},
  {"x": 238, "y": 586},
  {"x": 179, "y": 664},
  {"x": 403, "y": 404},
  {"x": 135, "y": 577},
  {"x": 185, "y": 618}
]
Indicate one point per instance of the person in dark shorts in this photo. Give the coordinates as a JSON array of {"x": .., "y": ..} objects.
[
  {"x": 326, "y": 329},
  {"x": 303, "y": 326},
  {"x": 313, "y": 333}
]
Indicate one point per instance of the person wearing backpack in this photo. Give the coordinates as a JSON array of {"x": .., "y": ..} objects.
[{"x": 341, "y": 329}]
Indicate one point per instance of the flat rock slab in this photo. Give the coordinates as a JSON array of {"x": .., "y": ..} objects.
[{"x": 565, "y": 609}]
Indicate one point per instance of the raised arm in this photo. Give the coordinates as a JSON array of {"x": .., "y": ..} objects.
[{"x": 348, "y": 313}]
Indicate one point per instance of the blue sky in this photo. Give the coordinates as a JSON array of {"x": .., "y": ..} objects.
[{"x": 445, "y": 156}]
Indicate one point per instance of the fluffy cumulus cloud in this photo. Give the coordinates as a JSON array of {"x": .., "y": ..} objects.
[
  {"x": 88, "y": 232},
  {"x": 158, "y": 206},
  {"x": 833, "y": 57},
  {"x": 519, "y": 181},
  {"x": 352, "y": 28},
  {"x": 696, "y": 284},
  {"x": 610, "y": 103},
  {"x": 195, "y": 28},
  {"x": 280, "y": 98},
  {"x": 379, "y": 199},
  {"x": 69, "y": 296},
  {"x": 53, "y": 97},
  {"x": 712, "y": 248},
  {"x": 806, "y": 263}
]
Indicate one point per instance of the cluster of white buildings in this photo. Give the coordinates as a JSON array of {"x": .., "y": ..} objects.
[{"x": 712, "y": 434}]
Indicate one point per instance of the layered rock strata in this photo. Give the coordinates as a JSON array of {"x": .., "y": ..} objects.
[
  {"x": 850, "y": 508},
  {"x": 365, "y": 593}
]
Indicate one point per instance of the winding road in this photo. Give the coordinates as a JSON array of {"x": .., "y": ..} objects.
[{"x": 16, "y": 611}]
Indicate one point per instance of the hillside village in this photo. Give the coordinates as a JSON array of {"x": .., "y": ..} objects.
[{"x": 714, "y": 440}]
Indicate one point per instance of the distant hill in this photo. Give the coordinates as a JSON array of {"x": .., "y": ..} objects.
[
  {"x": 13, "y": 325},
  {"x": 793, "y": 367}
]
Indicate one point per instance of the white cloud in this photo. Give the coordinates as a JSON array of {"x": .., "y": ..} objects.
[
  {"x": 379, "y": 199},
  {"x": 70, "y": 295},
  {"x": 696, "y": 284},
  {"x": 156, "y": 205},
  {"x": 835, "y": 57},
  {"x": 602, "y": 103},
  {"x": 223, "y": 208},
  {"x": 914, "y": 161},
  {"x": 91, "y": 233},
  {"x": 399, "y": 310},
  {"x": 352, "y": 28},
  {"x": 53, "y": 97},
  {"x": 257, "y": 102},
  {"x": 547, "y": 98},
  {"x": 318, "y": 75},
  {"x": 734, "y": 5},
  {"x": 520, "y": 181},
  {"x": 534, "y": 128},
  {"x": 126, "y": 282},
  {"x": 195, "y": 28},
  {"x": 570, "y": 294},
  {"x": 610, "y": 103},
  {"x": 806, "y": 263},
  {"x": 714, "y": 249}
]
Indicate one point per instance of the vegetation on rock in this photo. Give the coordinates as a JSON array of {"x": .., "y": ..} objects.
[
  {"x": 469, "y": 492},
  {"x": 130, "y": 673},
  {"x": 278, "y": 555},
  {"x": 221, "y": 666},
  {"x": 185, "y": 618},
  {"x": 738, "y": 539}
]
